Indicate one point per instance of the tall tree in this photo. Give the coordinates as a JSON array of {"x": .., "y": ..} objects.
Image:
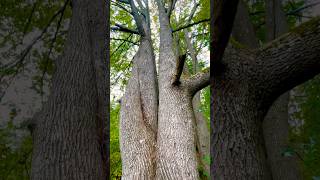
[
  {"x": 69, "y": 133},
  {"x": 246, "y": 85},
  {"x": 157, "y": 121}
]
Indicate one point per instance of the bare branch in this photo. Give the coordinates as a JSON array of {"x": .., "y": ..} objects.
[
  {"x": 179, "y": 68},
  {"x": 53, "y": 40},
  {"x": 119, "y": 27},
  {"x": 171, "y": 6},
  {"x": 26, "y": 51},
  {"x": 122, "y": 7},
  {"x": 190, "y": 25},
  {"x": 126, "y": 40}
]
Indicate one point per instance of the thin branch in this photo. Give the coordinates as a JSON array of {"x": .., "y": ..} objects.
[
  {"x": 179, "y": 68},
  {"x": 52, "y": 44},
  {"x": 30, "y": 18},
  {"x": 190, "y": 25},
  {"x": 26, "y": 51},
  {"x": 126, "y": 40},
  {"x": 302, "y": 8},
  {"x": 119, "y": 27},
  {"x": 171, "y": 7},
  {"x": 120, "y": 45},
  {"x": 122, "y": 7}
]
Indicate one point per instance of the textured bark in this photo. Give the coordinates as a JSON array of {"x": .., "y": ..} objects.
[
  {"x": 244, "y": 91},
  {"x": 138, "y": 117},
  {"x": 176, "y": 134},
  {"x": 67, "y": 134},
  {"x": 275, "y": 124},
  {"x": 203, "y": 133}
]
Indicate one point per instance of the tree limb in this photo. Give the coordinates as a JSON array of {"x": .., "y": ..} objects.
[
  {"x": 289, "y": 60},
  {"x": 119, "y": 27},
  {"x": 198, "y": 81},
  {"x": 122, "y": 7},
  {"x": 126, "y": 40},
  {"x": 192, "y": 24},
  {"x": 179, "y": 68}
]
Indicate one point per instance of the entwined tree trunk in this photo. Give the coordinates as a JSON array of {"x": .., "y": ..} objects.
[{"x": 158, "y": 123}]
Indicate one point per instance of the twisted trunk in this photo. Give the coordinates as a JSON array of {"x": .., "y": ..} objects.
[{"x": 138, "y": 117}]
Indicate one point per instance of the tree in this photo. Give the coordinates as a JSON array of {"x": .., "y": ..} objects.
[
  {"x": 69, "y": 132},
  {"x": 157, "y": 121},
  {"x": 245, "y": 84}
]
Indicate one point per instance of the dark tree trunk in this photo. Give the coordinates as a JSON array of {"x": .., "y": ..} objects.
[
  {"x": 244, "y": 90},
  {"x": 67, "y": 133}
]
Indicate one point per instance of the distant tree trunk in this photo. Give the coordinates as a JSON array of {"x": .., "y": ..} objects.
[
  {"x": 275, "y": 124},
  {"x": 68, "y": 133},
  {"x": 202, "y": 129}
]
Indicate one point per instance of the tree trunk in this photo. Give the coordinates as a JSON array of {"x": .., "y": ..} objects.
[
  {"x": 275, "y": 124},
  {"x": 243, "y": 91},
  {"x": 176, "y": 131},
  {"x": 201, "y": 123},
  {"x": 138, "y": 116},
  {"x": 67, "y": 134}
]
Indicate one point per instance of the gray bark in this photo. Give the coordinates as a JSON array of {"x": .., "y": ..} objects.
[
  {"x": 139, "y": 109},
  {"x": 176, "y": 135},
  {"x": 67, "y": 133},
  {"x": 201, "y": 123},
  {"x": 138, "y": 117}
]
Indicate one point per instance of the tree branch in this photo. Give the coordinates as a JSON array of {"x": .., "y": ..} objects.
[
  {"x": 122, "y": 7},
  {"x": 192, "y": 24},
  {"x": 179, "y": 68},
  {"x": 126, "y": 40},
  {"x": 198, "y": 81},
  {"x": 119, "y": 27},
  {"x": 289, "y": 60}
]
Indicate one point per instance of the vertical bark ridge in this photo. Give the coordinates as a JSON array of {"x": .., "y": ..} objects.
[
  {"x": 176, "y": 155},
  {"x": 138, "y": 116},
  {"x": 203, "y": 134},
  {"x": 65, "y": 138}
]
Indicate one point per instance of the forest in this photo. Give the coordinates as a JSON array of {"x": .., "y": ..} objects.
[{"x": 120, "y": 89}]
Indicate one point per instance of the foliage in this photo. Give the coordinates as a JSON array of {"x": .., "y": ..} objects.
[
  {"x": 15, "y": 162},
  {"x": 115, "y": 158}
]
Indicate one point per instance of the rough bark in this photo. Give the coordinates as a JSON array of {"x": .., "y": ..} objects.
[
  {"x": 67, "y": 133},
  {"x": 275, "y": 124},
  {"x": 244, "y": 91},
  {"x": 202, "y": 130},
  {"x": 176, "y": 158},
  {"x": 138, "y": 117},
  {"x": 139, "y": 107}
]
